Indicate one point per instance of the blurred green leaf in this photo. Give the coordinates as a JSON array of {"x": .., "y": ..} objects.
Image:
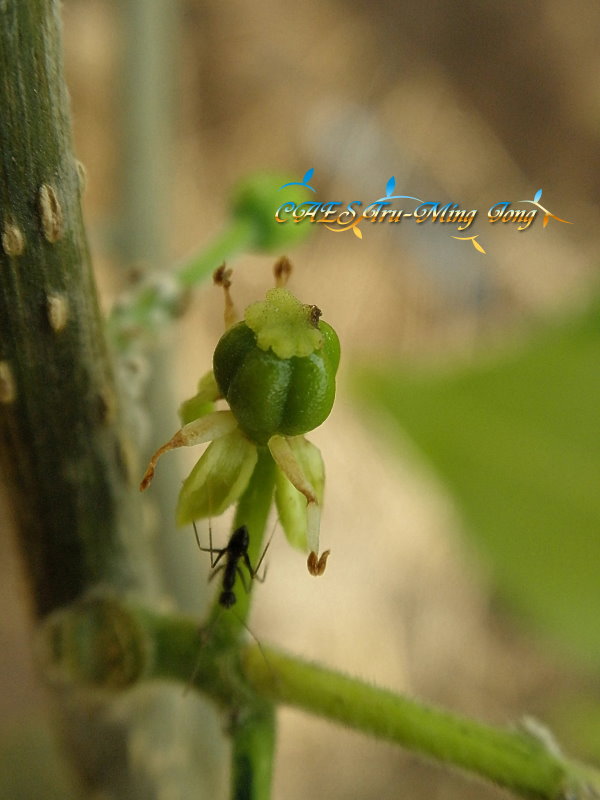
[{"x": 517, "y": 439}]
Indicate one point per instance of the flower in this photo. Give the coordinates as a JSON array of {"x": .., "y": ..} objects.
[{"x": 276, "y": 370}]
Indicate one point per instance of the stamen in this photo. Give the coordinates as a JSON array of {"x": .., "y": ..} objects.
[{"x": 222, "y": 277}]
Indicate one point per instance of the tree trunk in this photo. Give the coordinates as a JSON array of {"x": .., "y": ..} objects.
[
  {"x": 67, "y": 467},
  {"x": 70, "y": 473}
]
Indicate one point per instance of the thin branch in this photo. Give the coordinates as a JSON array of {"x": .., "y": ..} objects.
[{"x": 145, "y": 645}]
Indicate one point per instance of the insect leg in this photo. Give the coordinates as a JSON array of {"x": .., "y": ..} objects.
[
  {"x": 243, "y": 577},
  {"x": 254, "y": 572},
  {"x": 215, "y": 572},
  {"x": 219, "y": 551}
]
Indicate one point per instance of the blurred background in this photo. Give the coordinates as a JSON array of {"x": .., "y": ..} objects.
[{"x": 463, "y": 453}]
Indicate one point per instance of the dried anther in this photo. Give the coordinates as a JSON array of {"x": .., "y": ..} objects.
[
  {"x": 316, "y": 564},
  {"x": 282, "y": 271}
]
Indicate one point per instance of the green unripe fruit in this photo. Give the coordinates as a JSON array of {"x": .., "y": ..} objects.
[{"x": 271, "y": 395}]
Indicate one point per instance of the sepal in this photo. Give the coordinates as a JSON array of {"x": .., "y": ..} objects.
[{"x": 218, "y": 479}]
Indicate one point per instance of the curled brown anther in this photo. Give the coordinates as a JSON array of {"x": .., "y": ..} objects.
[
  {"x": 316, "y": 564},
  {"x": 222, "y": 276},
  {"x": 282, "y": 271}
]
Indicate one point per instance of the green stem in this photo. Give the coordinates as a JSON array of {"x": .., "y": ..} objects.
[
  {"x": 512, "y": 759},
  {"x": 253, "y": 733},
  {"x": 162, "y": 296},
  {"x": 113, "y": 645},
  {"x": 252, "y": 754},
  {"x": 235, "y": 238},
  {"x": 253, "y": 511},
  {"x": 253, "y": 737}
]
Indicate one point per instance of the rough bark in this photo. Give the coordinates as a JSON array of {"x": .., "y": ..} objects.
[{"x": 65, "y": 463}]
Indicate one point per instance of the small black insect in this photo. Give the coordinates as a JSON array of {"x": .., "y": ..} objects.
[{"x": 235, "y": 553}]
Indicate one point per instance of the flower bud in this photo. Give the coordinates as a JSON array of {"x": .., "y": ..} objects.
[{"x": 257, "y": 198}]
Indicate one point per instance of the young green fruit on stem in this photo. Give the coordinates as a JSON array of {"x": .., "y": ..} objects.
[{"x": 277, "y": 368}]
